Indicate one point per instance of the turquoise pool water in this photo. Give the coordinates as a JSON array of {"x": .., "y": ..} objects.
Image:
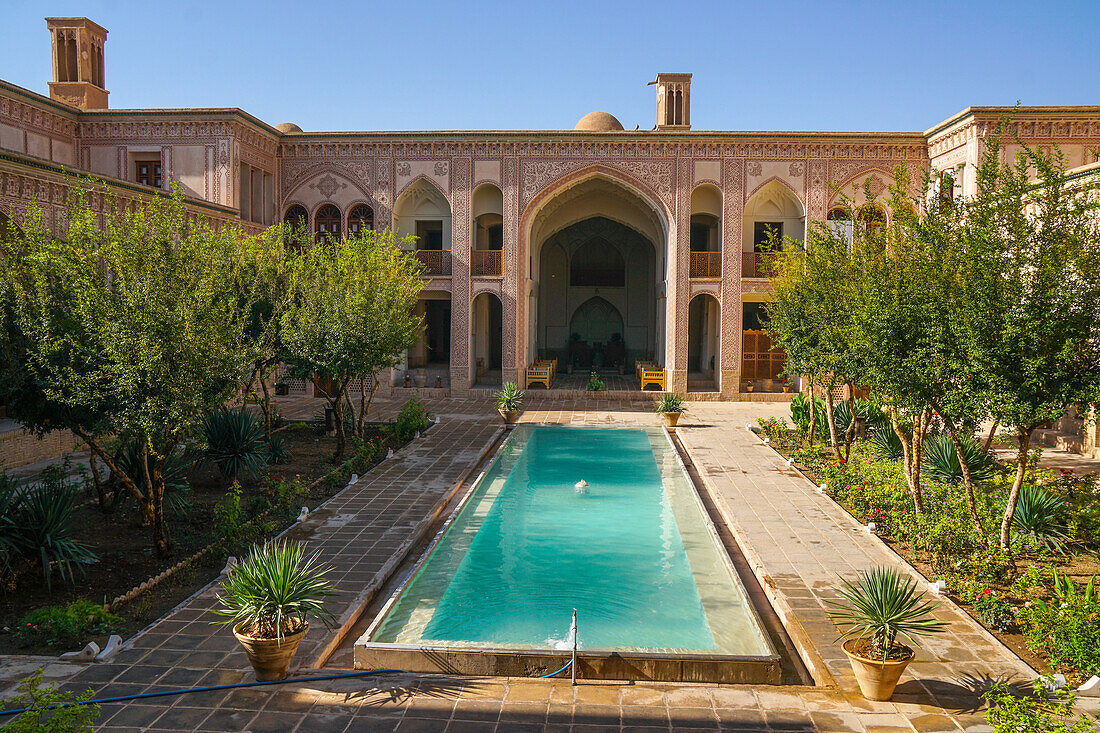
[{"x": 631, "y": 552}]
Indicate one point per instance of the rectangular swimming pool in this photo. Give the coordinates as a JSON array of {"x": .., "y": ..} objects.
[{"x": 632, "y": 551}]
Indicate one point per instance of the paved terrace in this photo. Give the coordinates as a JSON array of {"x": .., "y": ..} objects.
[{"x": 797, "y": 540}]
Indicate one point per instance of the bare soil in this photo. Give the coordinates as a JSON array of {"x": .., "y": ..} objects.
[{"x": 126, "y": 557}]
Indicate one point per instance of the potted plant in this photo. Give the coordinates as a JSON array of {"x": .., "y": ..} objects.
[
  {"x": 880, "y": 606},
  {"x": 670, "y": 407},
  {"x": 268, "y": 598},
  {"x": 509, "y": 401}
]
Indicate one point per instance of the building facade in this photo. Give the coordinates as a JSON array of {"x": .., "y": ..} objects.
[{"x": 595, "y": 246}]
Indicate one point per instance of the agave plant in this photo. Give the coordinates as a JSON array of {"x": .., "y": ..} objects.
[
  {"x": 886, "y": 444},
  {"x": 277, "y": 452},
  {"x": 510, "y": 397},
  {"x": 670, "y": 402},
  {"x": 39, "y": 523},
  {"x": 177, "y": 492},
  {"x": 275, "y": 590},
  {"x": 235, "y": 442},
  {"x": 1039, "y": 516},
  {"x": 942, "y": 460},
  {"x": 881, "y": 605}
]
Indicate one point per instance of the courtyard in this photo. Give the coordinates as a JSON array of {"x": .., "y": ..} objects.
[{"x": 796, "y": 541}]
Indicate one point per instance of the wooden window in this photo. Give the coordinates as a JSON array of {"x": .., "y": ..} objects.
[
  {"x": 496, "y": 236},
  {"x": 296, "y": 216},
  {"x": 700, "y": 237},
  {"x": 148, "y": 173},
  {"x": 361, "y": 219},
  {"x": 872, "y": 218},
  {"x": 328, "y": 222}
]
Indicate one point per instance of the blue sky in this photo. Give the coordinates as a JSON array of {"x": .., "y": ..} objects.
[{"x": 413, "y": 65}]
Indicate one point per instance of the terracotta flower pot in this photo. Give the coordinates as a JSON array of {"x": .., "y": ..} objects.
[
  {"x": 510, "y": 416},
  {"x": 671, "y": 418},
  {"x": 270, "y": 657},
  {"x": 877, "y": 679}
]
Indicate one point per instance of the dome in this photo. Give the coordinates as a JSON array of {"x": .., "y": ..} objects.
[
  {"x": 598, "y": 122},
  {"x": 285, "y": 127}
]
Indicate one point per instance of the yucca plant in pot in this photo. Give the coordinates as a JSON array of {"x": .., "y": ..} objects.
[
  {"x": 269, "y": 598},
  {"x": 509, "y": 402},
  {"x": 879, "y": 607},
  {"x": 670, "y": 407}
]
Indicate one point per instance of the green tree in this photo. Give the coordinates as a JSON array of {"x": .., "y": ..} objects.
[
  {"x": 350, "y": 311},
  {"x": 127, "y": 330},
  {"x": 1031, "y": 321}
]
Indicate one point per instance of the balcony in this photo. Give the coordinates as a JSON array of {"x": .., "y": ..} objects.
[
  {"x": 705, "y": 265},
  {"x": 759, "y": 264},
  {"x": 435, "y": 261},
  {"x": 486, "y": 262}
]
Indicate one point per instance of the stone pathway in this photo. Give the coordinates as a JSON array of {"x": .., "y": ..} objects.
[{"x": 796, "y": 539}]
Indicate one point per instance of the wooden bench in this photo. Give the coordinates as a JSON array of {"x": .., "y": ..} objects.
[
  {"x": 640, "y": 365},
  {"x": 653, "y": 376},
  {"x": 552, "y": 363},
  {"x": 539, "y": 374}
]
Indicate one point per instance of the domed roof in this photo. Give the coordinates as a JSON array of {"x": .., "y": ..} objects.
[
  {"x": 598, "y": 122},
  {"x": 285, "y": 127}
]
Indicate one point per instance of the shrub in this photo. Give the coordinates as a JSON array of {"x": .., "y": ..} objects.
[
  {"x": 366, "y": 452},
  {"x": 277, "y": 452},
  {"x": 942, "y": 460},
  {"x": 886, "y": 444},
  {"x": 775, "y": 429},
  {"x": 38, "y": 523},
  {"x": 275, "y": 590},
  {"x": 235, "y": 442},
  {"x": 670, "y": 402},
  {"x": 595, "y": 383},
  {"x": 510, "y": 397},
  {"x": 412, "y": 419},
  {"x": 1038, "y": 517},
  {"x": 177, "y": 491},
  {"x": 229, "y": 519},
  {"x": 50, "y": 711},
  {"x": 993, "y": 610},
  {"x": 1067, "y": 628},
  {"x": 1041, "y": 712},
  {"x": 66, "y": 626}
]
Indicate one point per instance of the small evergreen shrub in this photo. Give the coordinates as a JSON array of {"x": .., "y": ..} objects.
[
  {"x": 942, "y": 460},
  {"x": 66, "y": 626},
  {"x": 235, "y": 442},
  {"x": 1038, "y": 518},
  {"x": 1042, "y": 711},
  {"x": 993, "y": 610},
  {"x": 44, "y": 711},
  {"x": 412, "y": 419}
]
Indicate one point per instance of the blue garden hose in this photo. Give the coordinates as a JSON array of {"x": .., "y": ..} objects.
[
  {"x": 213, "y": 688},
  {"x": 544, "y": 676},
  {"x": 236, "y": 686}
]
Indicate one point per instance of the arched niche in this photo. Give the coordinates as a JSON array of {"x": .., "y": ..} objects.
[
  {"x": 704, "y": 353},
  {"x": 487, "y": 210},
  {"x": 486, "y": 340},
  {"x": 774, "y": 207},
  {"x": 706, "y": 218},
  {"x": 422, "y": 211}
]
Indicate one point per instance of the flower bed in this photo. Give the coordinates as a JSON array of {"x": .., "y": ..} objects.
[{"x": 1036, "y": 599}]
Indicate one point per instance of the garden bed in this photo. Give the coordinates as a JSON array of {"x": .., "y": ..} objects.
[
  {"x": 126, "y": 558},
  {"x": 944, "y": 547}
]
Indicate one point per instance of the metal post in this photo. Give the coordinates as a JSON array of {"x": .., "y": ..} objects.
[{"x": 573, "y": 664}]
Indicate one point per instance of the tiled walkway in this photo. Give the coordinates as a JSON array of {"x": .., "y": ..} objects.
[{"x": 797, "y": 539}]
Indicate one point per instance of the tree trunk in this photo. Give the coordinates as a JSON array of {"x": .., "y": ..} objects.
[
  {"x": 100, "y": 491},
  {"x": 850, "y": 433},
  {"x": 833, "y": 439},
  {"x": 160, "y": 529},
  {"x": 968, "y": 481},
  {"x": 1017, "y": 485},
  {"x": 129, "y": 482},
  {"x": 148, "y": 501},
  {"x": 265, "y": 407},
  {"x": 813, "y": 415},
  {"x": 337, "y": 402},
  {"x": 365, "y": 400},
  {"x": 911, "y": 456},
  {"x": 992, "y": 435}
]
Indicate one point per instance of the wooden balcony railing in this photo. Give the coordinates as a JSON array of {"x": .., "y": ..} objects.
[
  {"x": 759, "y": 264},
  {"x": 486, "y": 262},
  {"x": 435, "y": 261},
  {"x": 706, "y": 264}
]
